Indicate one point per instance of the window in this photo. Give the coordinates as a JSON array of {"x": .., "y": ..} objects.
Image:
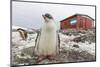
[{"x": 73, "y": 21}]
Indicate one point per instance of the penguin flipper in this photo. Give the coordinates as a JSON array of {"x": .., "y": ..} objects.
[
  {"x": 37, "y": 42},
  {"x": 58, "y": 39},
  {"x": 58, "y": 43},
  {"x": 37, "y": 38}
]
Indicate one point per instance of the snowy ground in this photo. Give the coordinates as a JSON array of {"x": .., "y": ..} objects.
[{"x": 75, "y": 46}]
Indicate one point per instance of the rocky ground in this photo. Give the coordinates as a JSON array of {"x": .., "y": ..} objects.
[{"x": 75, "y": 46}]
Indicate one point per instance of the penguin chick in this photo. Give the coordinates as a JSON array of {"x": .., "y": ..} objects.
[
  {"x": 22, "y": 33},
  {"x": 47, "y": 42}
]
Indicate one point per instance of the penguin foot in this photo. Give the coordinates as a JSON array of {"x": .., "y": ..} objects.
[
  {"x": 50, "y": 57},
  {"x": 40, "y": 58}
]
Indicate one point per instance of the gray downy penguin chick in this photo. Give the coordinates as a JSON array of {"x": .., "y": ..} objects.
[{"x": 47, "y": 41}]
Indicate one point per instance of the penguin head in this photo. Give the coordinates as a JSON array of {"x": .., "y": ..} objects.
[
  {"x": 20, "y": 30},
  {"x": 47, "y": 17}
]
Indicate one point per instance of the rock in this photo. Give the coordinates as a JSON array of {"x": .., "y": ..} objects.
[
  {"x": 87, "y": 37},
  {"x": 73, "y": 48},
  {"x": 76, "y": 56},
  {"x": 76, "y": 46}
]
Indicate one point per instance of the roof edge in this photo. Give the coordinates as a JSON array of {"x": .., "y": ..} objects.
[{"x": 78, "y": 15}]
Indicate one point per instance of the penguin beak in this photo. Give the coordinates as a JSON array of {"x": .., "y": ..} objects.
[{"x": 43, "y": 16}]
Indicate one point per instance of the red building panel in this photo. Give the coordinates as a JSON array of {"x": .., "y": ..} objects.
[{"x": 77, "y": 21}]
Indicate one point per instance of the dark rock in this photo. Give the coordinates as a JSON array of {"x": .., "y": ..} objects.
[
  {"x": 88, "y": 37},
  {"x": 70, "y": 32},
  {"x": 76, "y": 56},
  {"x": 22, "y": 54},
  {"x": 76, "y": 46}
]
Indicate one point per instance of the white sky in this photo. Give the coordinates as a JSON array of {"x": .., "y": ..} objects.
[{"x": 30, "y": 14}]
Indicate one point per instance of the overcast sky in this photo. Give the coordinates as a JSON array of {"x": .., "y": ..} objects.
[{"x": 29, "y": 15}]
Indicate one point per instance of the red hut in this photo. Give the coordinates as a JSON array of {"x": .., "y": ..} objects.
[{"x": 77, "y": 21}]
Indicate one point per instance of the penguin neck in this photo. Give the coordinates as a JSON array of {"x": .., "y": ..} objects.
[
  {"x": 49, "y": 26},
  {"x": 50, "y": 21}
]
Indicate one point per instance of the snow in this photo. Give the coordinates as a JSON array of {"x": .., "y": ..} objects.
[
  {"x": 83, "y": 46},
  {"x": 85, "y": 51},
  {"x": 14, "y": 28},
  {"x": 17, "y": 40}
]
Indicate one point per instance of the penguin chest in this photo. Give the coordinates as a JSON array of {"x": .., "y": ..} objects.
[{"x": 47, "y": 43}]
